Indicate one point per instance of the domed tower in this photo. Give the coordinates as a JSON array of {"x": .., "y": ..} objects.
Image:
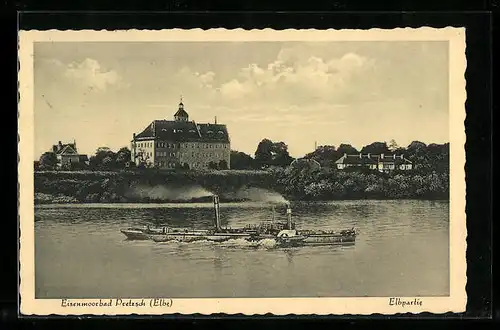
[{"x": 181, "y": 114}]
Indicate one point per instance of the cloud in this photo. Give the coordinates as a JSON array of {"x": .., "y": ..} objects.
[
  {"x": 206, "y": 79},
  {"x": 294, "y": 79},
  {"x": 90, "y": 73}
]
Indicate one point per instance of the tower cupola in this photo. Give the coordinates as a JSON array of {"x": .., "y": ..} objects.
[{"x": 181, "y": 114}]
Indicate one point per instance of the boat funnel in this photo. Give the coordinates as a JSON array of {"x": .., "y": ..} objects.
[
  {"x": 289, "y": 217},
  {"x": 217, "y": 213}
]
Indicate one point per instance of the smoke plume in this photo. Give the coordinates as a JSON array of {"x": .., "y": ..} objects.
[
  {"x": 160, "y": 192},
  {"x": 258, "y": 195}
]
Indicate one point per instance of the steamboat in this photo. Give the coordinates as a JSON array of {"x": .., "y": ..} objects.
[{"x": 284, "y": 233}]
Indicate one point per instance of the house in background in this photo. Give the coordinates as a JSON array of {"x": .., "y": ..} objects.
[
  {"x": 67, "y": 154},
  {"x": 304, "y": 162},
  {"x": 382, "y": 162}
]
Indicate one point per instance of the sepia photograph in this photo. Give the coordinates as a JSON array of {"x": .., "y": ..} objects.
[{"x": 191, "y": 171}]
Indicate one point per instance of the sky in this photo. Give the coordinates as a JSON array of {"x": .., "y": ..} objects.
[{"x": 301, "y": 93}]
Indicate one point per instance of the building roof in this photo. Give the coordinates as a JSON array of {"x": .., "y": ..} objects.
[
  {"x": 361, "y": 159},
  {"x": 188, "y": 131},
  {"x": 65, "y": 149},
  {"x": 311, "y": 162},
  {"x": 356, "y": 159},
  {"x": 398, "y": 160},
  {"x": 181, "y": 113}
]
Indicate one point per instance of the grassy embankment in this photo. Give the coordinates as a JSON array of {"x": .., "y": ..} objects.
[
  {"x": 143, "y": 186},
  {"x": 182, "y": 186}
]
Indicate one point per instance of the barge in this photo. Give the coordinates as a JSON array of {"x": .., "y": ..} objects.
[{"x": 284, "y": 233}]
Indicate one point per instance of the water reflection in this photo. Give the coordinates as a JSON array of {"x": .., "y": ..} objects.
[
  {"x": 290, "y": 254},
  {"x": 77, "y": 245}
]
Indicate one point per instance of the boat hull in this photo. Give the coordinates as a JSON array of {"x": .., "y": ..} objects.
[
  {"x": 198, "y": 236},
  {"x": 133, "y": 234},
  {"x": 181, "y": 237},
  {"x": 328, "y": 240}
]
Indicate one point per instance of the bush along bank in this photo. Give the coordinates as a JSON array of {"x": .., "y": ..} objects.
[
  {"x": 331, "y": 184},
  {"x": 194, "y": 186}
]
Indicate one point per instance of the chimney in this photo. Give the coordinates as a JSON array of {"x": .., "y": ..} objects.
[
  {"x": 394, "y": 156},
  {"x": 215, "y": 120},
  {"x": 217, "y": 213},
  {"x": 360, "y": 156},
  {"x": 289, "y": 217},
  {"x": 402, "y": 157},
  {"x": 345, "y": 155},
  {"x": 133, "y": 136},
  {"x": 382, "y": 156}
]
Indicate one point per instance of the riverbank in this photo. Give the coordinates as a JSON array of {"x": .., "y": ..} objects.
[{"x": 135, "y": 186}]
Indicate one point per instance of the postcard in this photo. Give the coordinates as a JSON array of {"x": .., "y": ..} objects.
[{"x": 242, "y": 172}]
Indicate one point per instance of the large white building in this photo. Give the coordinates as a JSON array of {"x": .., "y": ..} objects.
[{"x": 182, "y": 143}]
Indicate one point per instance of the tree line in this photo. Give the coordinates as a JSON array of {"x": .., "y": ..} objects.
[
  {"x": 103, "y": 159},
  {"x": 432, "y": 157},
  {"x": 270, "y": 154}
]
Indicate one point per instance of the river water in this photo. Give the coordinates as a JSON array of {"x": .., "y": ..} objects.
[{"x": 402, "y": 250}]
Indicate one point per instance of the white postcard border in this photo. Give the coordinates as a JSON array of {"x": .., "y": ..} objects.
[{"x": 456, "y": 302}]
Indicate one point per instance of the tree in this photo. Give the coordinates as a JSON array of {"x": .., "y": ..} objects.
[
  {"x": 280, "y": 154},
  {"x": 212, "y": 165},
  {"x": 123, "y": 156},
  {"x": 142, "y": 157},
  {"x": 417, "y": 153},
  {"x": 416, "y": 147},
  {"x": 272, "y": 153},
  {"x": 375, "y": 148},
  {"x": 346, "y": 149},
  {"x": 325, "y": 155},
  {"x": 48, "y": 161},
  {"x": 222, "y": 165},
  {"x": 393, "y": 146},
  {"x": 438, "y": 156},
  {"x": 241, "y": 161},
  {"x": 263, "y": 154},
  {"x": 103, "y": 159}
]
